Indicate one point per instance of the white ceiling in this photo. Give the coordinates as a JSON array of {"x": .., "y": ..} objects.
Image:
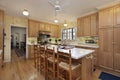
[{"x": 42, "y": 10}]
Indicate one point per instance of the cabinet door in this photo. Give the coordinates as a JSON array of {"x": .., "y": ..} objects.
[
  {"x": 80, "y": 26},
  {"x": 30, "y": 51},
  {"x": 106, "y": 18},
  {"x": 87, "y": 68},
  {"x": 41, "y": 26},
  {"x": 86, "y": 30},
  {"x": 117, "y": 49},
  {"x": 47, "y": 27},
  {"x": 1, "y": 28},
  {"x": 106, "y": 48},
  {"x": 33, "y": 28},
  {"x": 117, "y": 16},
  {"x": 94, "y": 25}
]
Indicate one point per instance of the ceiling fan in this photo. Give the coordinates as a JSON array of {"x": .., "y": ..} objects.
[{"x": 55, "y": 4}]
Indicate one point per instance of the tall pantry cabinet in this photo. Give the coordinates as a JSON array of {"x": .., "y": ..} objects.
[{"x": 109, "y": 40}]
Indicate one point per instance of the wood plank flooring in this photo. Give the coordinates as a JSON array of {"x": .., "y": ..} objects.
[{"x": 21, "y": 69}]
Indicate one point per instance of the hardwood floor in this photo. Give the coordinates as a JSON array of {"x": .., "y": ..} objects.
[{"x": 21, "y": 69}]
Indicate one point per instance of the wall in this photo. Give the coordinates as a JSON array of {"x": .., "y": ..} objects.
[{"x": 12, "y": 21}]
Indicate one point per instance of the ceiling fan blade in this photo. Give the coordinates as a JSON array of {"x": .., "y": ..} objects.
[{"x": 51, "y": 3}]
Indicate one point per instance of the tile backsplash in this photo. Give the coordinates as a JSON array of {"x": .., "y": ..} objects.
[{"x": 83, "y": 39}]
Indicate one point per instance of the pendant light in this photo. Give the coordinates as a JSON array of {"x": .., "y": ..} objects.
[
  {"x": 65, "y": 24},
  {"x": 56, "y": 20}
]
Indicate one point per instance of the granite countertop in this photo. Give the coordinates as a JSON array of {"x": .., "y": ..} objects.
[
  {"x": 87, "y": 45},
  {"x": 76, "y": 53}
]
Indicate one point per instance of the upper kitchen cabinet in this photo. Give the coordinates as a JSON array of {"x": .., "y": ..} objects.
[
  {"x": 80, "y": 27},
  {"x": 33, "y": 27},
  {"x": 47, "y": 27},
  {"x": 94, "y": 24},
  {"x": 87, "y": 25},
  {"x": 1, "y": 28},
  {"x": 106, "y": 18},
  {"x": 55, "y": 31},
  {"x": 117, "y": 16},
  {"x": 41, "y": 26}
]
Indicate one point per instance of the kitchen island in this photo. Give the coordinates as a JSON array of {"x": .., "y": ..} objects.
[{"x": 84, "y": 56}]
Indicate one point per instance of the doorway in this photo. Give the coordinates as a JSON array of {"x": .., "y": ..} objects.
[{"x": 18, "y": 41}]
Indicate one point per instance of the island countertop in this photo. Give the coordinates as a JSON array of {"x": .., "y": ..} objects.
[{"x": 76, "y": 53}]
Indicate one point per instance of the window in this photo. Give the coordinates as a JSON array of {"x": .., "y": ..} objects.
[{"x": 69, "y": 33}]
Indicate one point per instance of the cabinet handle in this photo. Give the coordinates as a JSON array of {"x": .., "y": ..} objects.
[
  {"x": 113, "y": 43},
  {"x": 89, "y": 57}
]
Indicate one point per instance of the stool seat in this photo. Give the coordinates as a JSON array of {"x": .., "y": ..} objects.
[
  {"x": 51, "y": 59},
  {"x": 66, "y": 65}
]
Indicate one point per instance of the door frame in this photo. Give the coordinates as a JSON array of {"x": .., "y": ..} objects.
[{"x": 26, "y": 56}]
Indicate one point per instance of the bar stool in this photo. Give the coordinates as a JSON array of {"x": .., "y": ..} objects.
[
  {"x": 51, "y": 63},
  {"x": 42, "y": 60},
  {"x": 37, "y": 57},
  {"x": 66, "y": 69}
]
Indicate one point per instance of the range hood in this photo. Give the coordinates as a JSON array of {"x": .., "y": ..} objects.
[{"x": 44, "y": 33}]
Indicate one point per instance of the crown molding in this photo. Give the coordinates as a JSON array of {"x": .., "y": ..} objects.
[
  {"x": 89, "y": 13},
  {"x": 108, "y": 5}
]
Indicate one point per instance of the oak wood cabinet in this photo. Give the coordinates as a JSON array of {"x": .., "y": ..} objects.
[
  {"x": 80, "y": 27},
  {"x": 117, "y": 16},
  {"x": 31, "y": 52},
  {"x": 55, "y": 31},
  {"x": 94, "y": 24},
  {"x": 106, "y": 48},
  {"x": 33, "y": 28},
  {"x": 87, "y": 71},
  {"x": 106, "y": 18},
  {"x": 41, "y": 26},
  {"x": 87, "y": 25},
  {"x": 117, "y": 49},
  {"x": 1, "y": 28},
  {"x": 109, "y": 40}
]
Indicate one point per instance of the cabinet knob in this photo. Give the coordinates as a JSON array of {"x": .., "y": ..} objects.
[{"x": 89, "y": 57}]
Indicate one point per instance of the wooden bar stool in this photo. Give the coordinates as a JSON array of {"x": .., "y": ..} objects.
[
  {"x": 51, "y": 64},
  {"x": 66, "y": 69},
  {"x": 37, "y": 57},
  {"x": 42, "y": 60}
]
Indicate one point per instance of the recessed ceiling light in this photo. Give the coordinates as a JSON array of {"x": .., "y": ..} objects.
[
  {"x": 65, "y": 24},
  {"x": 56, "y": 21},
  {"x": 25, "y": 12}
]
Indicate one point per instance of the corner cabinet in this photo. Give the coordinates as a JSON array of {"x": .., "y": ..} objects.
[
  {"x": 87, "y": 25},
  {"x": 109, "y": 40}
]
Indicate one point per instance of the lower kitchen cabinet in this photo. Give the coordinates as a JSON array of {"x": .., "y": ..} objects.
[
  {"x": 30, "y": 51},
  {"x": 117, "y": 49},
  {"x": 87, "y": 71},
  {"x": 109, "y": 52},
  {"x": 106, "y": 48}
]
